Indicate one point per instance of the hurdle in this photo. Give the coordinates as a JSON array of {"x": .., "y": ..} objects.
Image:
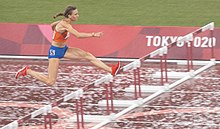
[
  {"x": 163, "y": 51},
  {"x": 108, "y": 81}
]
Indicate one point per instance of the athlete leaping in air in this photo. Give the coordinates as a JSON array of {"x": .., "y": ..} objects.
[{"x": 62, "y": 29}]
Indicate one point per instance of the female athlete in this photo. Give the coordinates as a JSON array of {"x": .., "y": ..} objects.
[{"x": 62, "y": 29}]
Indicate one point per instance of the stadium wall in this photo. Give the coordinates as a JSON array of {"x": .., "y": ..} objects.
[{"x": 117, "y": 41}]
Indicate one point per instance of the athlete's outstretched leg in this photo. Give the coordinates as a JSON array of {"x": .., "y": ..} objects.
[
  {"x": 76, "y": 53},
  {"x": 52, "y": 72}
]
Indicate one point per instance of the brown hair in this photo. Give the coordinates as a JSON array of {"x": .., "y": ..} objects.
[{"x": 68, "y": 11}]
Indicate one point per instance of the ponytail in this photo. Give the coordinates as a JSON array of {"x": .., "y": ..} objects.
[
  {"x": 67, "y": 12},
  {"x": 57, "y": 15}
]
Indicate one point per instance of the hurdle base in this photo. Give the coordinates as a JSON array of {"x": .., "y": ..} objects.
[
  {"x": 118, "y": 103},
  {"x": 173, "y": 75},
  {"x": 90, "y": 118},
  {"x": 144, "y": 88}
]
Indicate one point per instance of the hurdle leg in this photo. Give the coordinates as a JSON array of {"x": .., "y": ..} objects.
[
  {"x": 191, "y": 55},
  {"x": 77, "y": 113},
  {"x": 82, "y": 112},
  {"x": 213, "y": 44},
  {"x": 139, "y": 81},
  {"x": 107, "y": 99},
  {"x": 111, "y": 96},
  {"x": 165, "y": 67},
  {"x": 161, "y": 70},
  {"x": 188, "y": 56},
  {"x": 47, "y": 120},
  {"x": 50, "y": 120},
  {"x": 135, "y": 84}
]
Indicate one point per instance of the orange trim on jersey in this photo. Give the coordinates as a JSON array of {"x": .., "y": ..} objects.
[{"x": 60, "y": 37}]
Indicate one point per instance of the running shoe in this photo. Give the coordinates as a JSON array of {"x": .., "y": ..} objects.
[
  {"x": 115, "y": 69},
  {"x": 22, "y": 72}
]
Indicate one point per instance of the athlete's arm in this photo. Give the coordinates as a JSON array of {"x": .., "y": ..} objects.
[
  {"x": 53, "y": 25},
  {"x": 73, "y": 31}
]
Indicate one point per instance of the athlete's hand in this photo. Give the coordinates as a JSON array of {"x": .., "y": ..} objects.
[{"x": 98, "y": 34}]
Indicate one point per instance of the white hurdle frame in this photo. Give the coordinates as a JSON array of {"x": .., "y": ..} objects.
[{"x": 141, "y": 101}]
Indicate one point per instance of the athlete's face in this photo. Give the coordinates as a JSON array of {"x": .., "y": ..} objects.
[{"x": 74, "y": 16}]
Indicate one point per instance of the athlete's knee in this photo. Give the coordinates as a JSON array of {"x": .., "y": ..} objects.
[
  {"x": 51, "y": 82},
  {"x": 88, "y": 56}
]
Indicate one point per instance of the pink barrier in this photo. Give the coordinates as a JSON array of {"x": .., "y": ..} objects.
[{"x": 118, "y": 41}]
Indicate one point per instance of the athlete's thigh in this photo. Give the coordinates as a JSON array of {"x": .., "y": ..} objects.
[
  {"x": 75, "y": 53},
  {"x": 53, "y": 68}
]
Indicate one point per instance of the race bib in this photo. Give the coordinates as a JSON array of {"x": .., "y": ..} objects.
[{"x": 52, "y": 52}]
